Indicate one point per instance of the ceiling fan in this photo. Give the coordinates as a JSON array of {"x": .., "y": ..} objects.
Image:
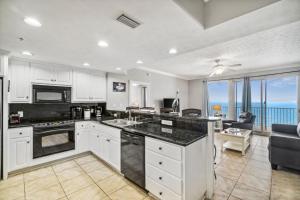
[{"x": 219, "y": 68}]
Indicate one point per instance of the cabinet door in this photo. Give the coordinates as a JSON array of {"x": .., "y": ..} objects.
[
  {"x": 82, "y": 141},
  {"x": 63, "y": 75},
  {"x": 94, "y": 143},
  {"x": 19, "y": 76},
  {"x": 42, "y": 73},
  {"x": 81, "y": 87},
  {"x": 98, "y": 87},
  {"x": 114, "y": 154},
  {"x": 20, "y": 153}
]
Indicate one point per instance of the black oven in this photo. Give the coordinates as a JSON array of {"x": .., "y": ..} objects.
[
  {"x": 50, "y": 94},
  {"x": 49, "y": 140}
]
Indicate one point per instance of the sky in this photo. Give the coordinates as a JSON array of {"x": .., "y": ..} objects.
[{"x": 279, "y": 90}]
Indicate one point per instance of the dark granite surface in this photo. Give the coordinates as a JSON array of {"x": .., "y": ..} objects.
[{"x": 170, "y": 134}]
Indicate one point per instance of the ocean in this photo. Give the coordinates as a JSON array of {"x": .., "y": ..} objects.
[{"x": 276, "y": 113}]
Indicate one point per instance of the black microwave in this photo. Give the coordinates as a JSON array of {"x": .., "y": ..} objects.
[{"x": 42, "y": 94}]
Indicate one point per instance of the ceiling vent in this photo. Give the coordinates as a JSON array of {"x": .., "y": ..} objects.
[{"x": 128, "y": 21}]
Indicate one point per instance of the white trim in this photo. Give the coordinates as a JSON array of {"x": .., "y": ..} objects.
[{"x": 4, "y": 66}]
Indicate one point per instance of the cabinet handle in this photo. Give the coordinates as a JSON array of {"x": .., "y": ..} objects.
[
  {"x": 20, "y": 133},
  {"x": 160, "y": 163},
  {"x": 160, "y": 148},
  {"x": 160, "y": 193},
  {"x": 160, "y": 178},
  {"x": 108, "y": 140}
]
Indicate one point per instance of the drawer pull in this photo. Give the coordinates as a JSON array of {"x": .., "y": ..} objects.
[
  {"x": 160, "y": 148},
  {"x": 160, "y": 193},
  {"x": 160, "y": 178},
  {"x": 160, "y": 163},
  {"x": 20, "y": 133}
]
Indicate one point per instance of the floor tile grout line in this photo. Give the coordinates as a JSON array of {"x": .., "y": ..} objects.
[
  {"x": 59, "y": 183},
  {"x": 93, "y": 180}
]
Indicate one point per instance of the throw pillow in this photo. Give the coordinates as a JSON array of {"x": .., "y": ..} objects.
[{"x": 298, "y": 129}]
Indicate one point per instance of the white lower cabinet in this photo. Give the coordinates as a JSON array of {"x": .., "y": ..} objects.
[
  {"x": 175, "y": 172},
  {"x": 20, "y": 148},
  {"x": 102, "y": 140}
]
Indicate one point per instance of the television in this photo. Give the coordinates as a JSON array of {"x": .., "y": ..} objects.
[{"x": 167, "y": 102}]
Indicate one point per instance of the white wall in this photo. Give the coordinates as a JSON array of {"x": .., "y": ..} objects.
[
  {"x": 195, "y": 93},
  {"x": 162, "y": 86}
]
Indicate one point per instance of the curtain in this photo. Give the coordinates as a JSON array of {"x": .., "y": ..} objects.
[
  {"x": 205, "y": 109},
  {"x": 246, "y": 101}
]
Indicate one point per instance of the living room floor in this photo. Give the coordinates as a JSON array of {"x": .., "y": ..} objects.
[
  {"x": 246, "y": 177},
  {"x": 250, "y": 177}
]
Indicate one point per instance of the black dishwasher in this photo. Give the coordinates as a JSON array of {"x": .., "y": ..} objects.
[{"x": 133, "y": 157}]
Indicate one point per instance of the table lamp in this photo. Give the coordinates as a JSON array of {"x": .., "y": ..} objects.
[{"x": 217, "y": 108}]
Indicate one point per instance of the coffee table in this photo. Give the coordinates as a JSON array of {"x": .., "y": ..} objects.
[{"x": 236, "y": 139}]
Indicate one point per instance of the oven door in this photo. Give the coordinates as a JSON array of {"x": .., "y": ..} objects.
[
  {"x": 51, "y": 94},
  {"x": 49, "y": 141}
]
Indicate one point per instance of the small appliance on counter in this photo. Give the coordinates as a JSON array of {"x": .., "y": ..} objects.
[
  {"x": 87, "y": 114},
  {"x": 77, "y": 112},
  {"x": 98, "y": 111},
  {"x": 14, "y": 119}
]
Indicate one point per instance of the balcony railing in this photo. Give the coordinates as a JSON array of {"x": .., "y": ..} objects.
[{"x": 273, "y": 115}]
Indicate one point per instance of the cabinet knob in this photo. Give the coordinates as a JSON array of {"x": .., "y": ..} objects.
[
  {"x": 160, "y": 178},
  {"x": 28, "y": 142},
  {"x": 27, "y": 97},
  {"x": 160, "y": 163},
  {"x": 160, "y": 148},
  {"x": 97, "y": 136},
  {"x": 108, "y": 140},
  {"x": 20, "y": 133},
  {"x": 160, "y": 193}
]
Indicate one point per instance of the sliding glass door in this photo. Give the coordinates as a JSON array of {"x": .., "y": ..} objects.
[{"x": 274, "y": 100}]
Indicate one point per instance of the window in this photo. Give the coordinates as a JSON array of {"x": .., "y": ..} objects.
[{"x": 218, "y": 95}]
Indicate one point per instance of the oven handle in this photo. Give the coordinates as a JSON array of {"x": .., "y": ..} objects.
[{"x": 54, "y": 130}]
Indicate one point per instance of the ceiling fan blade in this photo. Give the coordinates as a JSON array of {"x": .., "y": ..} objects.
[
  {"x": 235, "y": 65},
  {"x": 212, "y": 74}
]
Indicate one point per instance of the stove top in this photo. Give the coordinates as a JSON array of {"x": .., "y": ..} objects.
[{"x": 53, "y": 123}]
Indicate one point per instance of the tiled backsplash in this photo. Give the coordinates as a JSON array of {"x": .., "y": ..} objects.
[{"x": 48, "y": 111}]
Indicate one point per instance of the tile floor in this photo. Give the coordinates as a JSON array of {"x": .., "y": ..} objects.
[
  {"x": 250, "y": 177},
  {"x": 239, "y": 177}
]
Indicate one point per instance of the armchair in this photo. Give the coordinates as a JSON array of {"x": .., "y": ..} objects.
[{"x": 246, "y": 121}]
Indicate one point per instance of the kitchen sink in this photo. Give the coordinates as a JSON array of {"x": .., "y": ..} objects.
[{"x": 120, "y": 122}]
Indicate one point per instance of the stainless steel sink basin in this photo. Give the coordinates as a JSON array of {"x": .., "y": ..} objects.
[{"x": 120, "y": 122}]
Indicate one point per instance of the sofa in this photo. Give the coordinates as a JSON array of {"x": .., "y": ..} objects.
[
  {"x": 246, "y": 121},
  {"x": 284, "y": 146},
  {"x": 191, "y": 112}
]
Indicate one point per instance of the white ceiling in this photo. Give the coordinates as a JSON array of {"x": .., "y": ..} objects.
[{"x": 71, "y": 29}]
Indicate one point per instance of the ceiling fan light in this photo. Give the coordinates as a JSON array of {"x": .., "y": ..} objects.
[{"x": 219, "y": 70}]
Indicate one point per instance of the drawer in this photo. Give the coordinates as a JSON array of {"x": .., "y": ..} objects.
[
  {"x": 165, "y": 179},
  {"x": 164, "y": 148},
  {"x": 110, "y": 132},
  {"x": 164, "y": 163},
  {"x": 20, "y": 132},
  {"x": 160, "y": 191}
]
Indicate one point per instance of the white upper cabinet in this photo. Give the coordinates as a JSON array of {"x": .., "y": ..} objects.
[
  {"x": 19, "y": 80},
  {"x": 51, "y": 74},
  {"x": 89, "y": 86}
]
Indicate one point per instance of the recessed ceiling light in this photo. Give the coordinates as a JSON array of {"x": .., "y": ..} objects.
[
  {"x": 172, "y": 51},
  {"x": 27, "y": 53},
  {"x": 118, "y": 68},
  {"x": 139, "y": 62},
  {"x": 32, "y": 22},
  {"x": 102, "y": 43},
  {"x": 86, "y": 64}
]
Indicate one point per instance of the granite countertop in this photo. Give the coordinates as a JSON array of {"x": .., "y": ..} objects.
[{"x": 183, "y": 137}]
